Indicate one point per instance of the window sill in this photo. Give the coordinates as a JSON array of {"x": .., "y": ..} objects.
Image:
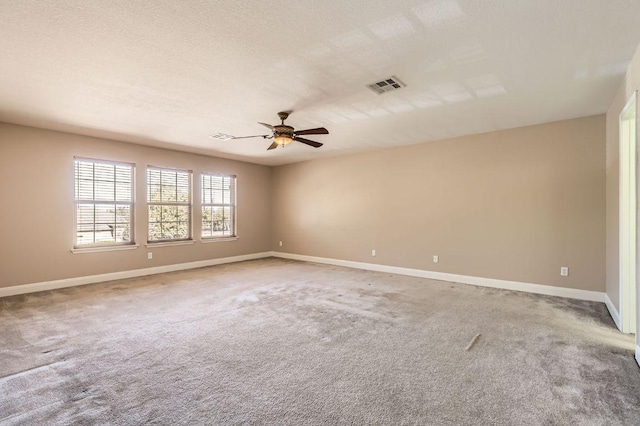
[
  {"x": 103, "y": 248},
  {"x": 217, "y": 240},
  {"x": 170, "y": 243}
]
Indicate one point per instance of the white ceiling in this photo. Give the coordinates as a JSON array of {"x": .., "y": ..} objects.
[{"x": 172, "y": 72}]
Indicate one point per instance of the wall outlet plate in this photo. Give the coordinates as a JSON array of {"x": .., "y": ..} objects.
[
  {"x": 436, "y": 259},
  {"x": 280, "y": 243},
  {"x": 373, "y": 252},
  {"x": 149, "y": 255},
  {"x": 564, "y": 271}
]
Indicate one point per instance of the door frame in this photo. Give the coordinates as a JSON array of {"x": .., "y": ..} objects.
[{"x": 628, "y": 213}]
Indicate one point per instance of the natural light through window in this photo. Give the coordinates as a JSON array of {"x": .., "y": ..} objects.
[
  {"x": 218, "y": 206},
  {"x": 169, "y": 200},
  {"x": 104, "y": 203}
]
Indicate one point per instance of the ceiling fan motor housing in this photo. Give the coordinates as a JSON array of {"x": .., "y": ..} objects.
[{"x": 283, "y": 130}]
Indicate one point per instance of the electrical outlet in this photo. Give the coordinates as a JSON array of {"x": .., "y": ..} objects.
[
  {"x": 564, "y": 271},
  {"x": 149, "y": 255},
  {"x": 280, "y": 243},
  {"x": 373, "y": 253},
  {"x": 436, "y": 259}
]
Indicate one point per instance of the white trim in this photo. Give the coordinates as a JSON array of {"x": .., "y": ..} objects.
[
  {"x": 71, "y": 282},
  {"x": 170, "y": 243},
  {"x": 638, "y": 354},
  {"x": 442, "y": 276},
  {"x": 104, "y": 248},
  {"x": 572, "y": 293},
  {"x": 613, "y": 311},
  {"x": 217, "y": 239}
]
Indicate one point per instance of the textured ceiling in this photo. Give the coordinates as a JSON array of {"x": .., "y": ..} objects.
[{"x": 171, "y": 73}]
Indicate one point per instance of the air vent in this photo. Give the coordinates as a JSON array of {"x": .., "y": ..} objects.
[
  {"x": 387, "y": 85},
  {"x": 221, "y": 136}
]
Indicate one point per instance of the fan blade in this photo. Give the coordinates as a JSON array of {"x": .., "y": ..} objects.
[
  {"x": 247, "y": 137},
  {"x": 308, "y": 142},
  {"x": 272, "y": 146},
  {"x": 318, "y": 131},
  {"x": 266, "y": 125}
]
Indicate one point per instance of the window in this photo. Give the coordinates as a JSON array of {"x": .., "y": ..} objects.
[
  {"x": 104, "y": 203},
  {"x": 218, "y": 206},
  {"x": 169, "y": 200}
]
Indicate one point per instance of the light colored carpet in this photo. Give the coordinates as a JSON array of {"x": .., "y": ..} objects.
[{"x": 283, "y": 342}]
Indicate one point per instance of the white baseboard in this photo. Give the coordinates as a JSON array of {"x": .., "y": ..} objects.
[
  {"x": 613, "y": 311},
  {"x": 596, "y": 296},
  {"x": 71, "y": 282},
  {"x": 442, "y": 276}
]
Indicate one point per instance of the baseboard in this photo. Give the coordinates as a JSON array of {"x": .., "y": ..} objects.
[
  {"x": 442, "y": 276},
  {"x": 613, "y": 311},
  {"x": 571, "y": 293},
  {"x": 71, "y": 282}
]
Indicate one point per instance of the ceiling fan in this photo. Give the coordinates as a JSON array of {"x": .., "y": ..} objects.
[{"x": 283, "y": 135}]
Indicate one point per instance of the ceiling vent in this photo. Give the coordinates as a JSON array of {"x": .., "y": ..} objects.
[
  {"x": 387, "y": 85},
  {"x": 221, "y": 136}
]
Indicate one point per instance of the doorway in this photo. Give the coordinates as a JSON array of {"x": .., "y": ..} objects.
[{"x": 628, "y": 215}]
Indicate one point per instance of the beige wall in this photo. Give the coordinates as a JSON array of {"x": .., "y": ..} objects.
[
  {"x": 36, "y": 171},
  {"x": 515, "y": 205}
]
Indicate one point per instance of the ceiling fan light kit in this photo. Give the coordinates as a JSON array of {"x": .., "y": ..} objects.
[
  {"x": 282, "y": 140},
  {"x": 283, "y": 134}
]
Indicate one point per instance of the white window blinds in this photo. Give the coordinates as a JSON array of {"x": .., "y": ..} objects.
[
  {"x": 218, "y": 206},
  {"x": 104, "y": 203},
  {"x": 169, "y": 203}
]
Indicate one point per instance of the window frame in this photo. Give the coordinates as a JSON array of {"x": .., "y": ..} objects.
[
  {"x": 189, "y": 204},
  {"x": 233, "y": 205},
  {"x": 132, "y": 207}
]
